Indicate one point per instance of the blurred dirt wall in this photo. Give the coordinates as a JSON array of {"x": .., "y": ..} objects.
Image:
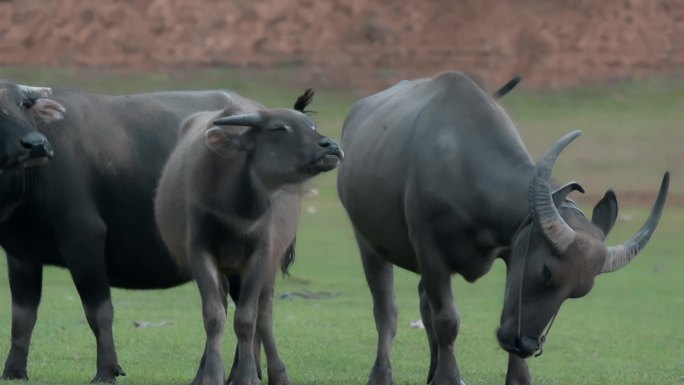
[{"x": 363, "y": 43}]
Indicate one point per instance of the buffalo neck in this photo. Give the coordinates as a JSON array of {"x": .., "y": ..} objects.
[
  {"x": 506, "y": 205},
  {"x": 235, "y": 192},
  {"x": 14, "y": 188}
]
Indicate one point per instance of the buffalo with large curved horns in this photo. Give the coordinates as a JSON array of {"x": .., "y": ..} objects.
[{"x": 437, "y": 180}]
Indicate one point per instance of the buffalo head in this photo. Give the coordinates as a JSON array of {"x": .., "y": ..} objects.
[
  {"x": 557, "y": 252},
  {"x": 282, "y": 144},
  {"x": 22, "y": 110}
]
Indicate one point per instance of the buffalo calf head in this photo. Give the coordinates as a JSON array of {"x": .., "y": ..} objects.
[{"x": 282, "y": 144}]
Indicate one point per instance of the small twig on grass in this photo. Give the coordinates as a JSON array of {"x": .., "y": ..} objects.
[
  {"x": 309, "y": 295},
  {"x": 145, "y": 324}
]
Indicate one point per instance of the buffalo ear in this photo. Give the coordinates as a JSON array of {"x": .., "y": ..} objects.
[
  {"x": 304, "y": 100},
  {"x": 562, "y": 192},
  {"x": 46, "y": 111},
  {"x": 605, "y": 212},
  {"x": 226, "y": 142}
]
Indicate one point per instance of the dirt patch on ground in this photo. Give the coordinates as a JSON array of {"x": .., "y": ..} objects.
[{"x": 365, "y": 44}]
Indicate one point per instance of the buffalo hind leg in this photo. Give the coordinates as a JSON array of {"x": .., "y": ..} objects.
[
  {"x": 277, "y": 374},
  {"x": 518, "y": 373},
  {"x": 426, "y": 316},
  {"x": 212, "y": 292},
  {"x": 25, "y": 281},
  {"x": 200, "y": 370},
  {"x": 380, "y": 278}
]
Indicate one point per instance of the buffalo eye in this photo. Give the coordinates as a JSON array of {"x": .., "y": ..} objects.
[
  {"x": 28, "y": 103},
  {"x": 281, "y": 127},
  {"x": 546, "y": 274}
]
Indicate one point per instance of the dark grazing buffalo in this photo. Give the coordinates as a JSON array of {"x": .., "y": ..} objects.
[
  {"x": 90, "y": 209},
  {"x": 227, "y": 207},
  {"x": 436, "y": 180}
]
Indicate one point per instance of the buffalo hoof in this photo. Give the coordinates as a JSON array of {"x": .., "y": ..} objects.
[
  {"x": 279, "y": 379},
  {"x": 108, "y": 376},
  {"x": 205, "y": 381},
  {"x": 246, "y": 382},
  {"x": 232, "y": 375},
  {"x": 14, "y": 374},
  {"x": 380, "y": 376},
  {"x": 202, "y": 379},
  {"x": 518, "y": 382},
  {"x": 461, "y": 382}
]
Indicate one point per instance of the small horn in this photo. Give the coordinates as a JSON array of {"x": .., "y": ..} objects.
[
  {"x": 620, "y": 255},
  {"x": 559, "y": 234},
  {"x": 30, "y": 92},
  {"x": 249, "y": 120}
]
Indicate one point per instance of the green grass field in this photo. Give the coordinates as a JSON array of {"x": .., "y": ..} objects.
[{"x": 628, "y": 330}]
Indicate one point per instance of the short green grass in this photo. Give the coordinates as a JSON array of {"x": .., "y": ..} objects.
[{"x": 628, "y": 330}]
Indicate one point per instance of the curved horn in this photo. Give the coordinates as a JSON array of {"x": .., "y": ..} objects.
[
  {"x": 559, "y": 234},
  {"x": 30, "y": 92},
  {"x": 249, "y": 120},
  {"x": 620, "y": 255}
]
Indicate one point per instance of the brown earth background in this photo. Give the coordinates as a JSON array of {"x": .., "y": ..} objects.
[{"x": 361, "y": 43}]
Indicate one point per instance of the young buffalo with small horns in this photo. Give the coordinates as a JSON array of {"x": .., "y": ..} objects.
[{"x": 227, "y": 207}]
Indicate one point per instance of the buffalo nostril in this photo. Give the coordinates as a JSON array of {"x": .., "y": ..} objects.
[
  {"x": 32, "y": 140},
  {"x": 26, "y": 145},
  {"x": 326, "y": 142},
  {"x": 331, "y": 147},
  {"x": 527, "y": 345}
]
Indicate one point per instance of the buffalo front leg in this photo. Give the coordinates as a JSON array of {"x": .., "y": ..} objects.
[
  {"x": 100, "y": 315},
  {"x": 518, "y": 373},
  {"x": 210, "y": 284},
  {"x": 380, "y": 278},
  {"x": 277, "y": 374},
  {"x": 25, "y": 281},
  {"x": 257, "y": 360},
  {"x": 200, "y": 370},
  {"x": 233, "y": 284},
  {"x": 86, "y": 262},
  {"x": 426, "y": 316},
  {"x": 436, "y": 280}
]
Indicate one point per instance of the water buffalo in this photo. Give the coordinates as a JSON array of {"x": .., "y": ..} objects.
[
  {"x": 227, "y": 207},
  {"x": 436, "y": 180},
  {"x": 91, "y": 208}
]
